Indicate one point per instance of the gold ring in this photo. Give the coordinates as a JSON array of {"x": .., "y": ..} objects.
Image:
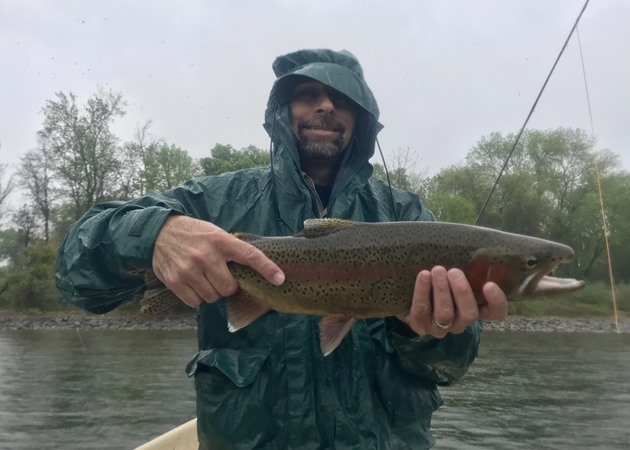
[{"x": 442, "y": 327}]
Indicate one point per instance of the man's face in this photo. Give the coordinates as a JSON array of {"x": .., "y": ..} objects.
[{"x": 323, "y": 120}]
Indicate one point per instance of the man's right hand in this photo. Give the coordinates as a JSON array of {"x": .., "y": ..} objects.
[{"x": 190, "y": 257}]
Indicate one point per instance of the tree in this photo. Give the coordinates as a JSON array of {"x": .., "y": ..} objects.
[
  {"x": 224, "y": 158},
  {"x": 616, "y": 195},
  {"x": 402, "y": 171},
  {"x": 131, "y": 180},
  {"x": 166, "y": 166},
  {"x": 31, "y": 286},
  {"x": 26, "y": 224},
  {"x": 36, "y": 171},
  {"x": 548, "y": 190},
  {"x": 85, "y": 151},
  {"x": 5, "y": 187},
  {"x": 11, "y": 248}
]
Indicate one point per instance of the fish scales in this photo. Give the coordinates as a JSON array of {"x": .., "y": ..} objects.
[
  {"x": 369, "y": 270},
  {"x": 362, "y": 270}
]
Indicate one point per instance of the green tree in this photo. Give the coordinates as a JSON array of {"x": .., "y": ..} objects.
[
  {"x": 31, "y": 286},
  {"x": 456, "y": 193},
  {"x": 11, "y": 249},
  {"x": 36, "y": 174},
  {"x": 224, "y": 158},
  {"x": 402, "y": 171},
  {"x": 84, "y": 148},
  {"x": 6, "y": 186},
  {"x": 132, "y": 182},
  {"x": 26, "y": 224},
  {"x": 548, "y": 190},
  {"x": 616, "y": 196},
  {"x": 167, "y": 166}
]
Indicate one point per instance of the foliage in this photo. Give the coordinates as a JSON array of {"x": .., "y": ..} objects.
[
  {"x": 31, "y": 286},
  {"x": 166, "y": 167},
  {"x": 548, "y": 190},
  {"x": 36, "y": 173},
  {"x": 402, "y": 173},
  {"x": 225, "y": 158},
  {"x": 11, "y": 249},
  {"x": 595, "y": 300},
  {"x": 85, "y": 152},
  {"x": 149, "y": 164},
  {"x": 5, "y": 187},
  {"x": 26, "y": 225}
]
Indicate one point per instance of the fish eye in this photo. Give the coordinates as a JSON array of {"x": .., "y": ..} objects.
[{"x": 531, "y": 262}]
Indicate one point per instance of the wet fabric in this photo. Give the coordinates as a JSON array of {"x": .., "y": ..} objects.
[{"x": 268, "y": 385}]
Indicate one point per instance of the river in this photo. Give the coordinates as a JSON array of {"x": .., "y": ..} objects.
[{"x": 108, "y": 389}]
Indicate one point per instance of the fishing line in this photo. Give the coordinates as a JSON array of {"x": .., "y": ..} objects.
[
  {"x": 531, "y": 111},
  {"x": 389, "y": 184},
  {"x": 599, "y": 190}
]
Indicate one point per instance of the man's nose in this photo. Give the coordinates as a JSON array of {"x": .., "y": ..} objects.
[{"x": 325, "y": 102}]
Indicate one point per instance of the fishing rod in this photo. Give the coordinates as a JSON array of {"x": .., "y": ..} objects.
[
  {"x": 600, "y": 193},
  {"x": 531, "y": 112}
]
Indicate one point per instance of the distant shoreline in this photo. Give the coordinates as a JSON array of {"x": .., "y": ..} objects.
[
  {"x": 14, "y": 321},
  {"x": 559, "y": 324}
]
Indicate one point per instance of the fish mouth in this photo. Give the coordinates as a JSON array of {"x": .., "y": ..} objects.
[
  {"x": 540, "y": 284},
  {"x": 548, "y": 285}
]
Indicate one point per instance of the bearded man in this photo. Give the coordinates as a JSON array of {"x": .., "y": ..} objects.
[{"x": 268, "y": 385}]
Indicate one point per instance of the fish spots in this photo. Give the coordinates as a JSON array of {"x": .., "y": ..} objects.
[{"x": 369, "y": 270}]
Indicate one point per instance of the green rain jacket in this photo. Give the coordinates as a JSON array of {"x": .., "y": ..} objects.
[{"x": 268, "y": 385}]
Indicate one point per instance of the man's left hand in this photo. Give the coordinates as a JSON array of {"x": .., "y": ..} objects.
[{"x": 443, "y": 302}]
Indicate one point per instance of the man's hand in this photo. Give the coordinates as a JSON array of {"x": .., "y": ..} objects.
[
  {"x": 443, "y": 302},
  {"x": 190, "y": 257}
]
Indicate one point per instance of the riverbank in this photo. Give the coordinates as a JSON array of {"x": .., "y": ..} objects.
[{"x": 13, "y": 321}]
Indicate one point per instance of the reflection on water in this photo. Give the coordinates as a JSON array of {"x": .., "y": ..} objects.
[
  {"x": 93, "y": 389},
  {"x": 116, "y": 389},
  {"x": 541, "y": 390}
]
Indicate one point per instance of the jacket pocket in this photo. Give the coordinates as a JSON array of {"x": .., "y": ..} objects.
[
  {"x": 234, "y": 398},
  {"x": 408, "y": 401},
  {"x": 240, "y": 366}
]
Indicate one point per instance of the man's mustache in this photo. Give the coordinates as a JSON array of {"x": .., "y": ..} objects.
[{"x": 323, "y": 123}]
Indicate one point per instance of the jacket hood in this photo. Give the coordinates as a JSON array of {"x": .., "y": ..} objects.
[{"x": 339, "y": 70}]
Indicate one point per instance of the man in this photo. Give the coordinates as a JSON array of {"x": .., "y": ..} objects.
[{"x": 268, "y": 385}]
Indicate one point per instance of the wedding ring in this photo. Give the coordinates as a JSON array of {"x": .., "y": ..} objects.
[{"x": 442, "y": 327}]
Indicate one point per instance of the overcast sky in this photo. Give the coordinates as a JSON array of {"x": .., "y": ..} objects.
[{"x": 445, "y": 73}]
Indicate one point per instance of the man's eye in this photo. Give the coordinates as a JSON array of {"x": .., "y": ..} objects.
[
  {"x": 341, "y": 101},
  {"x": 306, "y": 94}
]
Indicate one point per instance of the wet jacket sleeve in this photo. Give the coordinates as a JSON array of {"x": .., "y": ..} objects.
[{"x": 101, "y": 262}]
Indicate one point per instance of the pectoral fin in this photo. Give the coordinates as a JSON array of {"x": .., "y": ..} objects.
[
  {"x": 332, "y": 330},
  {"x": 243, "y": 309}
]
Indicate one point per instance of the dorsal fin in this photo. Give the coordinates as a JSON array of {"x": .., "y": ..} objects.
[{"x": 323, "y": 227}]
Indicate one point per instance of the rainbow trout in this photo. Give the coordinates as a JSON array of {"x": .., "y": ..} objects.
[{"x": 348, "y": 270}]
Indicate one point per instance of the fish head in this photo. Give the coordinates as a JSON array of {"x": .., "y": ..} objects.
[{"x": 521, "y": 266}]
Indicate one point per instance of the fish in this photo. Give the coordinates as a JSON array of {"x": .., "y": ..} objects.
[{"x": 347, "y": 271}]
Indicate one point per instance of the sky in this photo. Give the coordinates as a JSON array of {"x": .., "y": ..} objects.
[{"x": 445, "y": 73}]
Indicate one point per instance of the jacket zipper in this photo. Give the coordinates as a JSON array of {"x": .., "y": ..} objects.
[{"x": 320, "y": 207}]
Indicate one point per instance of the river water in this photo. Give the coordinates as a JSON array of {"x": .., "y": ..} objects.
[{"x": 116, "y": 389}]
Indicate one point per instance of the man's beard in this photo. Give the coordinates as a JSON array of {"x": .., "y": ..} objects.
[{"x": 320, "y": 147}]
